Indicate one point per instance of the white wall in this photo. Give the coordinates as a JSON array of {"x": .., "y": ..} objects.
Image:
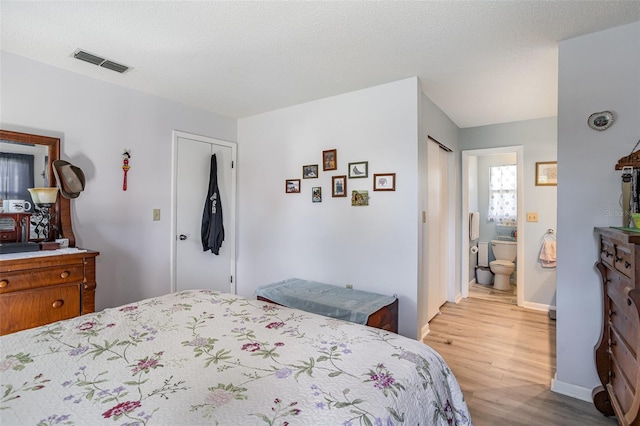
[
  {"x": 539, "y": 141},
  {"x": 280, "y": 235},
  {"x": 96, "y": 121},
  {"x": 599, "y": 71}
]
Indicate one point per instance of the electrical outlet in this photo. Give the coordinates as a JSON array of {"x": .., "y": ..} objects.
[
  {"x": 349, "y": 286},
  {"x": 532, "y": 216},
  {"x": 156, "y": 214}
]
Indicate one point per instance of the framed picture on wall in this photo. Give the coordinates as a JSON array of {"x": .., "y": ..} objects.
[
  {"x": 316, "y": 194},
  {"x": 292, "y": 186},
  {"x": 339, "y": 186},
  {"x": 330, "y": 159},
  {"x": 310, "y": 171},
  {"x": 359, "y": 170},
  {"x": 547, "y": 173},
  {"x": 359, "y": 198},
  {"x": 384, "y": 182}
]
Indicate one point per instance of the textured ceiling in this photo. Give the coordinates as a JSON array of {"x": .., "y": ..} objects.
[{"x": 481, "y": 62}]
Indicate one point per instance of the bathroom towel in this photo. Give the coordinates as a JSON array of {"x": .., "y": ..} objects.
[
  {"x": 548, "y": 254},
  {"x": 474, "y": 226}
]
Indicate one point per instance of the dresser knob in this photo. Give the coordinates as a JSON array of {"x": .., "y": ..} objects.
[
  {"x": 65, "y": 274},
  {"x": 57, "y": 303},
  {"x": 627, "y": 264},
  {"x": 4, "y": 283},
  {"x": 611, "y": 312}
]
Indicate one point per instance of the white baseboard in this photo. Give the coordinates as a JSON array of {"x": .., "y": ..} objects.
[
  {"x": 538, "y": 306},
  {"x": 424, "y": 331},
  {"x": 568, "y": 389}
]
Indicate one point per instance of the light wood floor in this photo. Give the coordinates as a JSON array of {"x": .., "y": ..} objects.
[
  {"x": 504, "y": 359},
  {"x": 487, "y": 292}
]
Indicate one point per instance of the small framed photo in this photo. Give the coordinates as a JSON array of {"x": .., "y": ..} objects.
[
  {"x": 547, "y": 173},
  {"x": 359, "y": 198},
  {"x": 359, "y": 170},
  {"x": 330, "y": 159},
  {"x": 310, "y": 171},
  {"x": 292, "y": 186},
  {"x": 316, "y": 194},
  {"x": 384, "y": 182},
  {"x": 339, "y": 186}
]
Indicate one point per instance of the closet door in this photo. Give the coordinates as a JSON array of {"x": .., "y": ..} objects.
[{"x": 195, "y": 268}]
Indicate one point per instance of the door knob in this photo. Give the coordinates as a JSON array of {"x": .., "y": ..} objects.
[{"x": 182, "y": 237}]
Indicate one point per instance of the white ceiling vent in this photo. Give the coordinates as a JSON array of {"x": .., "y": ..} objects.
[{"x": 101, "y": 62}]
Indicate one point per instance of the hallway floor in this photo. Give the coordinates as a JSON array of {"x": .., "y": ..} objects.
[
  {"x": 487, "y": 292},
  {"x": 504, "y": 358}
]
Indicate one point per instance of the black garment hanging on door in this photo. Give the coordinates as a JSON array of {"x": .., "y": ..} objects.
[{"x": 212, "y": 231}]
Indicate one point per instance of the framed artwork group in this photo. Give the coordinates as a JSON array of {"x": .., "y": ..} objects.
[{"x": 355, "y": 170}]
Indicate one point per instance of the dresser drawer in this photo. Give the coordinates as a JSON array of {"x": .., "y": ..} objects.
[
  {"x": 623, "y": 260},
  {"x": 28, "y": 309},
  {"x": 622, "y": 315},
  {"x": 607, "y": 251},
  {"x": 33, "y": 278},
  {"x": 623, "y": 357},
  {"x": 621, "y": 390}
]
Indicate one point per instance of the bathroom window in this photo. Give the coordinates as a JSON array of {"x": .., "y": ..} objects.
[{"x": 503, "y": 195}]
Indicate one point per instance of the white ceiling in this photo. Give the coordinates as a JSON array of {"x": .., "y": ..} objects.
[{"x": 481, "y": 62}]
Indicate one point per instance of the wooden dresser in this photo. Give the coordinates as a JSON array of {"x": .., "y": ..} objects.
[
  {"x": 50, "y": 287},
  {"x": 616, "y": 354}
]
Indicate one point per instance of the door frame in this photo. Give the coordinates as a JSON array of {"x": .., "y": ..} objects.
[
  {"x": 465, "y": 247},
  {"x": 231, "y": 210}
]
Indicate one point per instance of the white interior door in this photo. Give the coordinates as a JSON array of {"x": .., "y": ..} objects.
[
  {"x": 195, "y": 268},
  {"x": 436, "y": 239}
]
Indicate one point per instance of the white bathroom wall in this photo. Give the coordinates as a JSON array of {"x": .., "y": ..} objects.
[
  {"x": 374, "y": 248},
  {"x": 96, "y": 121}
]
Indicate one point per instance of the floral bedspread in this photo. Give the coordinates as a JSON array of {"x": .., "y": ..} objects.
[{"x": 203, "y": 357}]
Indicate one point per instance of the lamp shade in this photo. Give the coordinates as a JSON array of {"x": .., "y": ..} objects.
[{"x": 44, "y": 195}]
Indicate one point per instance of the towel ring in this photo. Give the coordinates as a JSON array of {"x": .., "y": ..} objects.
[{"x": 549, "y": 234}]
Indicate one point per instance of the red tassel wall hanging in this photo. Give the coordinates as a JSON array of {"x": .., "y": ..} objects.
[{"x": 125, "y": 167}]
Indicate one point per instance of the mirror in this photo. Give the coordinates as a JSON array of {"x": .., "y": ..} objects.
[{"x": 45, "y": 151}]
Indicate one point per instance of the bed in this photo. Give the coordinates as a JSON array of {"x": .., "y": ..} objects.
[{"x": 204, "y": 357}]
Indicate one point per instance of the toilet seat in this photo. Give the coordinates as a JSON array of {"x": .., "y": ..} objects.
[{"x": 501, "y": 263}]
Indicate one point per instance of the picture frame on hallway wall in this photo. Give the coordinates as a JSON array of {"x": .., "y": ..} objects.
[
  {"x": 292, "y": 186},
  {"x": 316, "y": 194},
  {"x": 310, "y": 171},
  {"x": 359, "y": 170},
  {"x": 338, "y": 186},
  {"x": 359, "y": 198},
  {"x": 330, "y": 159},
  {"x": 547, "y": 173},
  {"x": 384, "y": 182}
]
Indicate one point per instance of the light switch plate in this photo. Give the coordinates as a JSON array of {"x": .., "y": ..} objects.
[{"x": 156, "y": 214}]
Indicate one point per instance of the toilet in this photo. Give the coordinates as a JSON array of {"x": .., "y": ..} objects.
[{"x": 505, "y": 254}]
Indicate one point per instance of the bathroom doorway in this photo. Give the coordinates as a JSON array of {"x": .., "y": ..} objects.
[{"x": 471, "y": 161}]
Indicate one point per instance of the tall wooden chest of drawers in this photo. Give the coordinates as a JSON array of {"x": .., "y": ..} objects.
[
  {"x": 50, "y": 287},
  {"x": 617, "y": 352}
]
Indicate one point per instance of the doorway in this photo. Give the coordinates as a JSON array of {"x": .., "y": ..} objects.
[
  {"x": 192, "y": 267},
  {"x": 469, "y": 188}
]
